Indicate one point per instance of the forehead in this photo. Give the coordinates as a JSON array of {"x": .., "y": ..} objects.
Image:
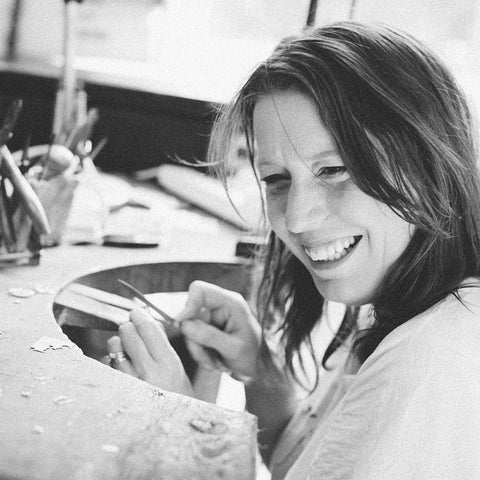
[{"x": 289, "y": 121}]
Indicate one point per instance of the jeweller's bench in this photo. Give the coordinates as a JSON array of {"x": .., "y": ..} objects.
[{"x": 64, "y": 415}]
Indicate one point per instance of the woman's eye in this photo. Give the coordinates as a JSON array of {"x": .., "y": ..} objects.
[
  {"x": 273, "y": 179},
  {"x": 333, "y": 174}
]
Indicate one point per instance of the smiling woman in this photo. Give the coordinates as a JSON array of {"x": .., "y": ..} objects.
[
  {"x": 366, "y": 149},
  {"x": 364, "y": 145}
]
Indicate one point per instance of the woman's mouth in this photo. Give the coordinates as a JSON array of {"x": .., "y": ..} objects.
[{"x": 332, "y": 251}]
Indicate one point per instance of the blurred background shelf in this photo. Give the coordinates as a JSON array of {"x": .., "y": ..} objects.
[{"x": 144, "y": 128}]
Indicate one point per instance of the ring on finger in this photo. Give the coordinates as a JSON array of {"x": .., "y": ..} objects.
[{"x": 117, "y": 357}]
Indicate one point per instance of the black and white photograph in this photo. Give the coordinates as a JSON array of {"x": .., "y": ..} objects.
[{"x": 239, "y": 240}]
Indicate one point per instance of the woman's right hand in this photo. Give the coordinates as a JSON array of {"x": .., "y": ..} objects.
[{"x": 221, "y": 330}]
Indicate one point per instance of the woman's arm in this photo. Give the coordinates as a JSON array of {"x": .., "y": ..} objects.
[{"x": 271, "y": 397}]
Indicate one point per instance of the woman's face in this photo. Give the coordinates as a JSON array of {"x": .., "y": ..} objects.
[{"x": 345, "y": 238}]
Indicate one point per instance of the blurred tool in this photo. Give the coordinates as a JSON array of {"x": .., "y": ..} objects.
[
  {"x": 16, "y": 11},
  {"x": 21, "y": 186},
  {"x": 129, "y": 241},
  {"x": 249, "y": 245},
  {"x": 20, "y": 193},
  {"x": 25, "y": 160},
  {"x": 70, "y": 103},
  {"x": 353, "y": 6},
  {"x": 239, "y": 205},
  {"x": 129, "y": 202},
  {"x": 82, "y": 131},
  {"x": 10, "y": 121},
  {"x": 312, "y": 13},
  {"x": 25, "y": 191},
  {"x": 98, "y": 148},
  {"x": 6, "y": 220}
]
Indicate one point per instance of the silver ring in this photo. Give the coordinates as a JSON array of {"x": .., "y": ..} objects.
[{"x": 118, "y": 357}]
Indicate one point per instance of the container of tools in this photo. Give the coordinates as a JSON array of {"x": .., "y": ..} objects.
[
  {"x": 38, "y": 186},
  {"x": 53, "y": 172},
  {"x": 22, "y": 217}
]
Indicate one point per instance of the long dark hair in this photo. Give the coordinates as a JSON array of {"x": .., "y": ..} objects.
[{"x": 404, "y": 131}]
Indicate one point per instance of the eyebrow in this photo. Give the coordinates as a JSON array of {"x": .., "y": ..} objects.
[
  {"x": 322, "y": 155},
  {"x": 312, "y": 158}
]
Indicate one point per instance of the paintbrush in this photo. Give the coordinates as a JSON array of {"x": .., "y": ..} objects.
[
  {"x": 165, "y": 317},
  {"x": 98, "y": 148},
  {"x": 27, "y": 195},
  {"x": 82, "y": 132},
  {"x": 25, "y": 161}
]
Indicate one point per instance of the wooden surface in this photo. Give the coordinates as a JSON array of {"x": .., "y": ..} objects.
[{"x": 64, "y": 415}]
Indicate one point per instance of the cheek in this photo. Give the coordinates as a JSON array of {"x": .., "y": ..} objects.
[
  {"x": 402, "y": 237},
  {"x": 276, "y": 207},
  {"x": 397, "y": 234}
]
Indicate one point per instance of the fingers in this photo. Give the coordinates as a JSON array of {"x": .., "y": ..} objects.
[
  {"x": 200, "y": 355},
  {"x": 142, "y": 339},
  {"x": 203, "y": 295},
  {"x": 106, "y": 360},
  {"x": 209, "y": 336},
  {"x": 135, "y": 348},
  {"x": 151, "y": 334},
  {"x": 114, "y": 346},
  {"x": 151, "y": 354}
]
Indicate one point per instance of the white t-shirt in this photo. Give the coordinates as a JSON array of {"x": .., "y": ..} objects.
[{"x": 411, "y": 412}]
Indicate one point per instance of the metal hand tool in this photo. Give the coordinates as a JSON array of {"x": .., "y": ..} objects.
[{"x": 167, "y": 318}]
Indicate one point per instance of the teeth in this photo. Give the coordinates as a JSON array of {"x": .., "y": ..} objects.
[
  {"x": 339, "y": 246},
  {"x": 331, "y": 251}
]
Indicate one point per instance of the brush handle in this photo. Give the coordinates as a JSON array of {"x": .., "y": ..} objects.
[{"x": 27, "y": 195}]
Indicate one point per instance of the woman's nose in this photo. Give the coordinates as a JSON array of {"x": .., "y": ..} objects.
[{"x": 306, "y": 208}]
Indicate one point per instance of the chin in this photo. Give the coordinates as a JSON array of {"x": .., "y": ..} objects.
[{"x": 348, "y": 293}]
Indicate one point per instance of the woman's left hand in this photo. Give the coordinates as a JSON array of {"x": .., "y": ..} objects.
[{"x": 150, "y": 355}]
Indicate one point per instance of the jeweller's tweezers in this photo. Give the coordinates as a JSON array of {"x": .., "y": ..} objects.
[{"x": 167, "y": 318}]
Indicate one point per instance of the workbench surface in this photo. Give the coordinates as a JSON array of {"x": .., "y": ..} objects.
[{"x": 64, "y": 415}]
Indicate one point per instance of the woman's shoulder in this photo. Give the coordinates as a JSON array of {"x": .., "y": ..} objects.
[
  {"x": 448, "y": 332},
  {"x": 432, "y": 357}
]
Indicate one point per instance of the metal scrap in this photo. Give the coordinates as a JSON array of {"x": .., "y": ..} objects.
[
  {"x": 156, "y": 393},
  {"x": 208, "y": 426},
  {"x": 214, "y": 447},
  {"x": 63, "y": 400},
  {"x": 46, "y": 343},
  {"x": 43, "y": 290},
  {"x": 106, "y": 447},
  {"x": 21, "y": 292},
  {"x": 42, "y": 379}
]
